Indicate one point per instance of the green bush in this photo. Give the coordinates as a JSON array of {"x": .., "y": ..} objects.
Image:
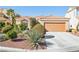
[
  {"x": 11, "y": 34},
  {"x": 40, "y": 29},
  {"x": 7, "y": 28},
  {"x": 2, "y": 24},
  {"x": 23, "y": 26}
]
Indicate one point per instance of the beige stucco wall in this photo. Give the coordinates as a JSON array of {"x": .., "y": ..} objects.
[{"x": 59, "y": 24}]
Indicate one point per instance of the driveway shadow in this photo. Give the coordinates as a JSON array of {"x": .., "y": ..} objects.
[
  {"x": 49, "y": 43},
  {"x": 49, "y": 36}
]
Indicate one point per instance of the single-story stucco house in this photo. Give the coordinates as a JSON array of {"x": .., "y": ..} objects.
[
  {"x": 62, "y": 24},
  {"x": 54, "y": 23}
]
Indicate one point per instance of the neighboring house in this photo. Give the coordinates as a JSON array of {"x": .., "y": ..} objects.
[
  {"x": 24, "y": 19},
  {"x": 21, "y": 19},
  {"x": 72, "y": 13},
  {"x": 54, "y": 23}
]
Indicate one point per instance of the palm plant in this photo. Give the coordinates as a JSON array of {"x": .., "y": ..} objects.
[{"x": 35, "y": 38}]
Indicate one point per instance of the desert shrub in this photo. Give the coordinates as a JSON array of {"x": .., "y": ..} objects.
[
  {"x": 7, "y": 28},
  {"x": 3, "y": 37},
  {"x": 33, "y": 22},
  {"x": 40, "y": 29},
  {"x": 11, "y": 34},
  {"x": 23, "y": 26},
  {"x": 2, "y": 24},
  {"x": 35, "y": 37}
]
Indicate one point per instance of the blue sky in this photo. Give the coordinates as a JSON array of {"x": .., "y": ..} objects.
[{"x": 39, "y": 10}]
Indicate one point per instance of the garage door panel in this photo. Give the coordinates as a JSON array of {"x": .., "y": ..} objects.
[{"x": 55, "y": 27}]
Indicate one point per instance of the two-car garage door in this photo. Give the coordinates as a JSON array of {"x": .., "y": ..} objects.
[{"x": 55, "y": 27}]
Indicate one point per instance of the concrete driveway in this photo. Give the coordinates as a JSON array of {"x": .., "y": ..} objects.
[{"x": 61, "y": 41}]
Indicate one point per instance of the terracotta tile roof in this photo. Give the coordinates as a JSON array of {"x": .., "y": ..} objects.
[{"x": 52, "y": 17}]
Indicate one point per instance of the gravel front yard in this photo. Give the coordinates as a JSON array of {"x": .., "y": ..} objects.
[{"x": 25, "y": 44}]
